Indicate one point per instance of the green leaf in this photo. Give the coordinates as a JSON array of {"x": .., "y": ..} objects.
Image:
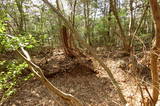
[{"x": 29, "y": 46}]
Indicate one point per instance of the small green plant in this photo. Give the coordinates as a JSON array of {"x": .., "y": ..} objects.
[
  {"x": 10, "y": 76},
  {"x": 11, "y": 69}
]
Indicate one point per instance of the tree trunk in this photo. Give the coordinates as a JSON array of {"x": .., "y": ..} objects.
[
  {"x": 123, "y": 37},
  {"x": 66, "y": 36},
  {"x": 19, "y": 4},
  {"x": 67, "y": 42},
  {"x": 91, "y": 50},
  {"x": 155, "y": 50},
  {"x": 87, "y": 21},
  {"x": 73, "y": 101},
  {"x": 131, "y": 24}
]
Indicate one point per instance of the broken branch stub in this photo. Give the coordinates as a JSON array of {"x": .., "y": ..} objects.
[{"x": 91, "y": 50}]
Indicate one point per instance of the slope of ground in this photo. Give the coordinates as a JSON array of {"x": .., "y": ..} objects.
[{"x": 93, "y": 89}]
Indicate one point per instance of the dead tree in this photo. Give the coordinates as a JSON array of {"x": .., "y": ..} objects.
[
  {"x": 91, "y": 50},
  {"x": 65, "y": 34},
  {"x": 66, "y": 40}
]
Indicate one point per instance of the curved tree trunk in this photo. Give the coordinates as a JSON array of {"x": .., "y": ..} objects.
[
  {"x": 91, "y": 50},
  {"x": 73, "y": 101}
]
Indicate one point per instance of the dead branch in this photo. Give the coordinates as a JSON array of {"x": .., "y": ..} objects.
[
  {"x": 148, "y": 93},
  {"x": 39, "y": 74},
  {"x": 92, "y": 51}
]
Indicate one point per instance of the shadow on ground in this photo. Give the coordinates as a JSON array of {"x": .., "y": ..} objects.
[
  {"x": 93, "y": 89},
  {"x": 89, "y": 87}
]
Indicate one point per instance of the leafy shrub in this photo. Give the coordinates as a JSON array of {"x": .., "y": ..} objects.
[{"x": 11, "y": 69}]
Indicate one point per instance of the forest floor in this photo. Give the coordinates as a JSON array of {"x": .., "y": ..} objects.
[{"x": 93, "y": 88}]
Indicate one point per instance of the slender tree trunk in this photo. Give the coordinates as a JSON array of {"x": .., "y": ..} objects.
[
  {"x": 109, "y": 22},
  {"x": 65, "y": 35},
  {"x": 91, "y": 50},
  {"x": 138, "y": 27},
  {"x": 73, "y": 101},
  {"x": 155, "y": 50},
  {"x": 19, "y": 4},
  {"x": 87, "y": 21},
  {"x": 74, "y": 12},
  {"x": 131, "y": 24},
  {"x": 71, "y": 43},
  {"x": 123, "y": 37}
]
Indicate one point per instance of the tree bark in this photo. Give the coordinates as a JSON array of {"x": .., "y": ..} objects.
[
  {"x": 87, "y": 21},
  {"x": 131, "y": 24},
  {"x": 65, "y": 34},
  {"x": 74, "y": 12},
  {"x": 91, "y": 50},
  {"x": 138, "y": 28},
  {"x": 155, "y": 49},
  {"x": 123, "y": 37},
  {"x": 19, "y": 4},
  {"x": 39, "y": 74}
]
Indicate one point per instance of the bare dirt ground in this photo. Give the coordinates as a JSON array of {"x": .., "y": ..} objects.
[{"x": 92, "y": 88}]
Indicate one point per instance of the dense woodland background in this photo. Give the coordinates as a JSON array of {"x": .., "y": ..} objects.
[{"x": 103, "y": 52}]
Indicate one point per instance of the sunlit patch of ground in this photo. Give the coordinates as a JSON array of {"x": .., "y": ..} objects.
[{"x": 93, "y": 89}]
